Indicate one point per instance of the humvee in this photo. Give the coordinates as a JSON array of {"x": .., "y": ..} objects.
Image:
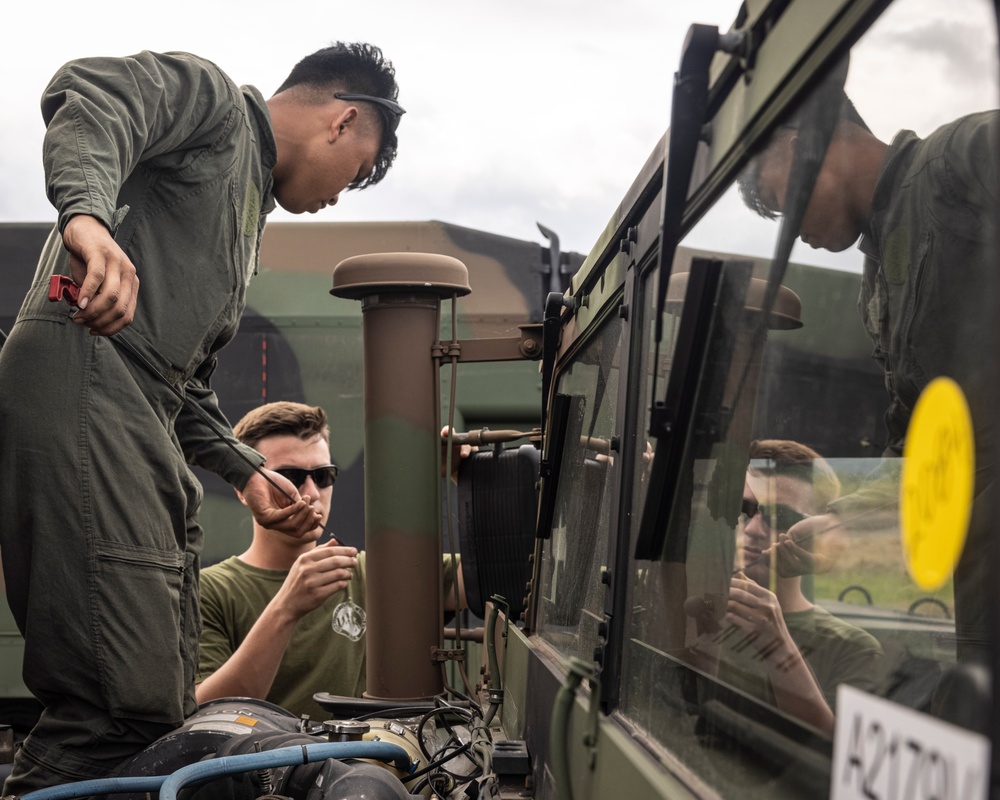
[{"x": 621, "y": 635}]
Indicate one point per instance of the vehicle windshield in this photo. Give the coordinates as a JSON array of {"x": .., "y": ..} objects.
[{"x": 829, "y": 525}]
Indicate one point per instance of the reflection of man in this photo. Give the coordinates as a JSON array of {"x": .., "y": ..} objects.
[
  {"x": 286, "y": 619},
  {"x": 806, "y": 651},
  {"x": 926, "y": 211}
]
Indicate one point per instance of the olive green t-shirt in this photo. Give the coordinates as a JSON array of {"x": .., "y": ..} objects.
[
  {"x": 836, "y": 651},
  {"x": 327, "y": 650}
]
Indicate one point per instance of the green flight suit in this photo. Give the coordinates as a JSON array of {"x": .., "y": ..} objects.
[
  {"x": 98, "y": 507},
  {"x": 928, "y": 283},
  {"x": 928, "y": 291}
]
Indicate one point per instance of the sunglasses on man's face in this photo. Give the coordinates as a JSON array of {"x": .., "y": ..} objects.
[
  {"x": 323, "y": 476},
  {"x": 775, "y": 515}
]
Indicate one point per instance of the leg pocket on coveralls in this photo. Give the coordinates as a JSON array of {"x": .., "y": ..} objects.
[{"x": 138, "y": 628}]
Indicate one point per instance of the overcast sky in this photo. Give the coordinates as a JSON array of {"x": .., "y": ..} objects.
[{"x": 519, "y": 112}]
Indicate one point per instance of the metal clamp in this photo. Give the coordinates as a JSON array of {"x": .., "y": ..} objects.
[{"x": 440, "y": 655}]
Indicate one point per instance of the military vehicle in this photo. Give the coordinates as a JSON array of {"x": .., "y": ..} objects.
[
  {"x": 639, "y": 639},
  {"x": 298, "y": 343}
]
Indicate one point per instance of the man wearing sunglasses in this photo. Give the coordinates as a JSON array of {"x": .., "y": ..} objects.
[
  {"x": 163, "y": 169},
  {"x": 286, "y": 618},
  {"x": 779, "y": 645}
]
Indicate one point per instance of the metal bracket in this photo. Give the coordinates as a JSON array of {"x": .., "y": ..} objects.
[
  {"x": 527, "y": 346},
  {"x": 440, "y": 350},
  {"x": 440, "y": 655}
]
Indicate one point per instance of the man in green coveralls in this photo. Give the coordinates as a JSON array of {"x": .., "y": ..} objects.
[
  {"x": 162, "y": 170},
  {"x": 924, "y": 212},
  {"x": 286, "y": 619}
]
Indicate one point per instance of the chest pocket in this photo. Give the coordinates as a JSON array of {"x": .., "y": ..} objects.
[
  {"x": 873, "y": 304},
  {"x": 249, "y": 225}
]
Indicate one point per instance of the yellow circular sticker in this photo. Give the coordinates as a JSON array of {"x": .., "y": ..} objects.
[{"x": 935, "y": 496}]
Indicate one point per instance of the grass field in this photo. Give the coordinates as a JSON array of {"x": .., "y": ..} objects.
[{"x": 874, "y": 561}]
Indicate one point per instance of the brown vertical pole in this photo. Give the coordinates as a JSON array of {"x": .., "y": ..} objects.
[{"x": 401, "y": 296}]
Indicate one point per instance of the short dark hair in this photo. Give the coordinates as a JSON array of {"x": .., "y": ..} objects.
[
  {"x": 749, "y": 179},
  {"x": 796, "y": 460},
  {"x": 358, "y": 68},
  {"x": 282, "y": 419}
]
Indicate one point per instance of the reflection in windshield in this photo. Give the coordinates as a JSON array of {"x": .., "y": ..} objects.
[
  {"x": 926, "y": 212},
  {"x": 796, "y": 651},
  {"x": 813, "y": 588}
]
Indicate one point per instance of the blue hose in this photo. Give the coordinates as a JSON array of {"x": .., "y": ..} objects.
[
  {"x": 98, "y": 786},
  {"x": 282, "y": 757},
  {"x": 169, "y": 785}
]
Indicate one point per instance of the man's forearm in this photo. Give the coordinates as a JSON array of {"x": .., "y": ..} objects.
[
  {"x": 251, "y": 669},
  {"x": 795, "y": 689}
]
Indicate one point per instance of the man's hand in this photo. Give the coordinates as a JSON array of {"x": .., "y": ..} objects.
[
  {"x": 755, "y": 610},
  {"x": 273, "y": 510},
  {"x": 813, "y": 545},
  {"x": 109, "y": 286},
  {"x": 315, "y": 576}
]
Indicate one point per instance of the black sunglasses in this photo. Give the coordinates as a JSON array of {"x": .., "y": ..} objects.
[
  {"x": 777, "y": 516},
  {"x": 323, "y": 476},
  {"x": 390, "y": 109}
]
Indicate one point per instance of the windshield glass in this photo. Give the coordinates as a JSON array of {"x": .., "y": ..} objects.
[{"x": 829, "y": 522}]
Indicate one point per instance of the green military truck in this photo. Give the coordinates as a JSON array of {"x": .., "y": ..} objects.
[
  {"x": 297, "y": 342},
  {"x": 670, "y": 604}
]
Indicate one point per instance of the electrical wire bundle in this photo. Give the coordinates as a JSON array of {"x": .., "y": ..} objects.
[{"x": 467, "y": 737}]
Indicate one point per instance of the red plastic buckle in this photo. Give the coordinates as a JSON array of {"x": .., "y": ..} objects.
[{"x": 63, "y": 288}]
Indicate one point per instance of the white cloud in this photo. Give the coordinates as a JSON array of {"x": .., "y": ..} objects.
[
  {"x": 518, "y": 111},
  {"x": 522, "y": 111}
]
